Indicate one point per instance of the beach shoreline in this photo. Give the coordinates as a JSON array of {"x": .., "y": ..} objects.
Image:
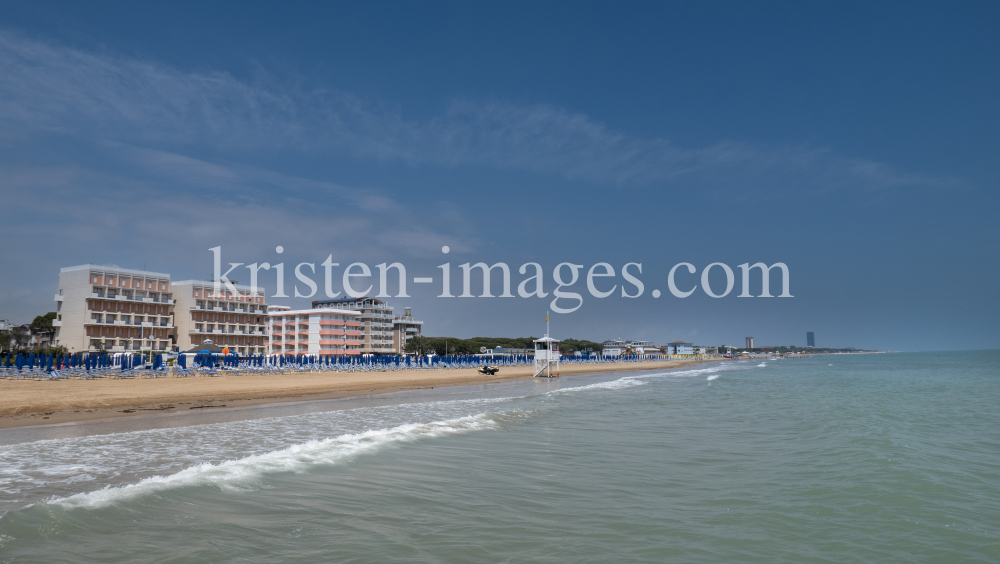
[{"x": 34, "y": 402}]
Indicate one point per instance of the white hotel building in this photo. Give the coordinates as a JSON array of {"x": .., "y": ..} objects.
[
  {"x": 376, "y": 321},
  {"x": 113, "y": 309},
  {"x": 234, "y": 320},
  {"x": 327, "y": 332}
]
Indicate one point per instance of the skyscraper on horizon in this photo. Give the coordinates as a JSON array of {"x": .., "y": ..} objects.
[
  {"x": 810, "y": 339},
  {"x": 749, "y": 342}
]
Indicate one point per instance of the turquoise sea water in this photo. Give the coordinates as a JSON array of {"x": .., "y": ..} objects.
[{"x": 862, "y": 458}]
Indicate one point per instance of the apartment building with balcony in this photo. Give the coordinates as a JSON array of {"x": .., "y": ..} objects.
[
  {"x": 237, "y": 321},
  {"x": 113, "y": 309},
  {"x": 404, "y": 328},
  {"x": 376, "y": 322},
  {"x": 325, "y": 332},
  {"x": 618, "y": 347}
]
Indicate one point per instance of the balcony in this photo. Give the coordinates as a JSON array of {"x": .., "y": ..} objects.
[
  {"x": 58, "y": 298},
  {"x": 56, "y": 323}
]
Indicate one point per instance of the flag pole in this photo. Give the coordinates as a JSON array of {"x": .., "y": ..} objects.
[{"x": 548, "y": 348}]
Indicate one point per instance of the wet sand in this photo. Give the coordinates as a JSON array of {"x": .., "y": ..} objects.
[{"x": 32, "y": 402}]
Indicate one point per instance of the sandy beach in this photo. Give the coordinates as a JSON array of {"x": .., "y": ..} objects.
[{"x": 45, "y": 402}]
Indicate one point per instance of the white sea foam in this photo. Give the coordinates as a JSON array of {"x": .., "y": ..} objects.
[
  {"x": 639, "y": 380},
  {"x": 57, "y": 468},
  {"x": 762, "y": 365},
  {"x": 626, "y": 382},
  {"x": 296, "y": 458},
  {"x": 713, "y": 377}
]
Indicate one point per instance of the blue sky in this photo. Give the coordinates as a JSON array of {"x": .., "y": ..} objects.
[{"x": 855, "y": 142}]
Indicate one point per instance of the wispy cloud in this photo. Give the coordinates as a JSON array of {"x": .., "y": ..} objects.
[
  {"x": 177, "y": 207},
  {"x": 60, "y": 89}
]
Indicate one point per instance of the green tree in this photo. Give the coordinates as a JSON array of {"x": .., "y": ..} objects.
[
  {"x": 19, "y": 337},
  {"x": 418, "y": 345},
  {"x": 43, "y": 323}
]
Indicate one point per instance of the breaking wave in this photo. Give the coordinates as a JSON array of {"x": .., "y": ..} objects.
[{"x": 232, "y": 473}]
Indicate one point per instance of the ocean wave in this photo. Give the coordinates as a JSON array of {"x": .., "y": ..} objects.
[
  {"x": 712, "y": 377},
  {"x": 626, "y": 382},
  {"x": 639, "y": 380},
  {"x": 56, "y": 468},
  {"x": 232, "y": 473}
]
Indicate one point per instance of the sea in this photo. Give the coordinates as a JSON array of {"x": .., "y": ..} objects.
[{"x": 831, "y": 458}]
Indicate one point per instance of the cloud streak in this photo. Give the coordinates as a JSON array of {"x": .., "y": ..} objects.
[
  {"x": 178, "y": 207},
  {"x": 57, "y": 89}
]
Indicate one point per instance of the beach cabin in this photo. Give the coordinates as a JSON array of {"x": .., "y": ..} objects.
[{"x": 546, "y": 356}]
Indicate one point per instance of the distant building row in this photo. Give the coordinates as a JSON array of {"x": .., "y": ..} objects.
[
  {"x": 118, "y": 309},
  {"x": 618, "y": 347}
]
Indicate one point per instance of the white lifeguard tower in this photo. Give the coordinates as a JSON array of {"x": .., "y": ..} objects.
[{"x": 546, "y": 356}]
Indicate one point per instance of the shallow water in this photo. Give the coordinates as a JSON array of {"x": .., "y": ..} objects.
[{"x": 828, "y": 459}]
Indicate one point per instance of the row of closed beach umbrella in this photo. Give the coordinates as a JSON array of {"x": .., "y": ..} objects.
[{"x": 125, "y": 365}]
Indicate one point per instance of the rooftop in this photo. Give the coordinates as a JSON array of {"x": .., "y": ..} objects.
[
  {"x": 346, "y": 301},
  {"x": 222, "y": 285},
  {"x": 113, "y": 268},
  {"x": 325, "y": 311}
]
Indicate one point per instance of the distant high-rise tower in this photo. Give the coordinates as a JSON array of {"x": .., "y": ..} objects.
[
  {"x": 749, "y": 342},
  {"x": 810, "y": 339}
]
